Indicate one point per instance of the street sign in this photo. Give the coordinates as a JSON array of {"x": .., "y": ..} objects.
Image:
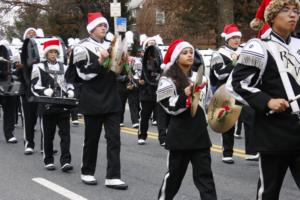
[
  {"x": 115, "y": 9},
  {"x": 121, "y": 24}
]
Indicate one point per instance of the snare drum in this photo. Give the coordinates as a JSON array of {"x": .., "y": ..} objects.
[{"x": 8, "y": 85}]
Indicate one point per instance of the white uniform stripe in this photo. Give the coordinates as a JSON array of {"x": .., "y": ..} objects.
[
  {"x": 58, "y": 189},
  {"x": 261, "y": 177},
  {"x": 164, "y": 185},
  {"x": 43, "y": 141},
  {"x": 24, "y": 123}
]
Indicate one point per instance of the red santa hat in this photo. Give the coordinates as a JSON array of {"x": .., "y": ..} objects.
[
  {"x": 231, "y": 30},
  {"x": 51, "y": 45},
  {"x": 173, "y": 52},
  {"x": 258, "y": 22},
  {"x": 94, "y": 19}
]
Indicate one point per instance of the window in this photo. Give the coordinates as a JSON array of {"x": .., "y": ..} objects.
[{"x": 160, "y": 17}]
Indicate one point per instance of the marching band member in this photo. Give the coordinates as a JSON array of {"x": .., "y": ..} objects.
[
  {"x": 44, "y": 78},
  {"x": 29, "y": 33},
  {"x": 222, "y": 63},
  {"x": 187, "y": 137},
  {"x": 266, "y": 77},
  {"x": 29, "y": 108},
  {"x": 9, "y": 105},
  {"x": 128, "y": 90},
  {"x": 147, "y": 95},
  {"x": 99, "y": 102}
]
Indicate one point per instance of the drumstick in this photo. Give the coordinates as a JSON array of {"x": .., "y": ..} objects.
[{"x": 290, "y": 101}]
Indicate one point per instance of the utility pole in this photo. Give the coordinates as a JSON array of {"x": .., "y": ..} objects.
[{"x": 115, "y": 21}]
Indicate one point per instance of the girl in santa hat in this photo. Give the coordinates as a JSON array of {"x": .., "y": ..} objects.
[{"x": 187, "y": 137}]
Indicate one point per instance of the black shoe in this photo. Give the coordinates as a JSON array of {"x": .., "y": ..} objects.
[{"x": 66, "y": 167}]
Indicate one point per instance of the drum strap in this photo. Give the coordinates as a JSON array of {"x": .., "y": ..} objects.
[
  {"x": 61, "y": 69},
  {"x": 274, "y": 51}
]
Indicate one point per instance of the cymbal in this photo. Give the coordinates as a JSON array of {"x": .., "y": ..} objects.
[
  {"x": 196, "y": 94},
  {"x": 117, "y": 49},
  {"x": 222, "y": 112}
]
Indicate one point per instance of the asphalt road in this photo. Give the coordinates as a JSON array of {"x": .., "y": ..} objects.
[{"x": 143, "y": 167}]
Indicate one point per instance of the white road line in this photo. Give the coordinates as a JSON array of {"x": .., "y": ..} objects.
[{"x": 58, "y": 189}]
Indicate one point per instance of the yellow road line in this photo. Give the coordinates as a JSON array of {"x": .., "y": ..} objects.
[{"x": 216, "y": 148}]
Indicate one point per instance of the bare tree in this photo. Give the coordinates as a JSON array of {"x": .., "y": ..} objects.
[{"x": 225, "y": 16}]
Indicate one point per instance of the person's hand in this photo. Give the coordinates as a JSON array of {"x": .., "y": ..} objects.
[
  {"x": 278, "y": 105},
  {"x": 103, "y": 55},
  {"x": 19, "y": 66},
  {"x": 48, "y": 92},
  {"x": 188, "y": 89},
  {"x": 141, "y": 82},
  {"x": 124, "y": 59},
  {"x": 70, "y": 93}
]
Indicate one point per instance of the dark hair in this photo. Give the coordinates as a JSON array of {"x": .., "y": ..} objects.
[{"x": 179, "y": 78}]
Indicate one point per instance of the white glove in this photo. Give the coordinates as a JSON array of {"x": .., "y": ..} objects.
[
  {"x": 70, "y": 93},
  {"x": 48, "y": 92}
]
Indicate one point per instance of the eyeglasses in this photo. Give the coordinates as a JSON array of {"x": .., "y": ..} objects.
[{"x": 290, "y": 11}]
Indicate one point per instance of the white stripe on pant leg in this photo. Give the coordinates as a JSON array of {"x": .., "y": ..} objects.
[
  {"x": 163, "y": 188},
  {"x": 42, "y": 132},
  {"x": 24, "y": 121},
  {"x": 261, "y": 177},
  {"x": 140, "y": 120}
]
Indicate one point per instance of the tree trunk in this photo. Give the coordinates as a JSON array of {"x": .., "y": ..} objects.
[{"x": 225, "y": 16}]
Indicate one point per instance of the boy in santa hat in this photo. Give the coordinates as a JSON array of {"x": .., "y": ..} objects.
[
  {"x": 48, "y": 78},
  {"x": 99, "y": 102},
  {"x": 266, "y": 78}
]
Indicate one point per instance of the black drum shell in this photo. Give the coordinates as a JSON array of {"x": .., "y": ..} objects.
[{"x": 152, "y": 55}]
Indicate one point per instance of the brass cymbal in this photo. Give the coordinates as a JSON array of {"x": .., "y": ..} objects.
[
  {"x": 116, "y": 53},
  {"x": 196, "y": 94},
  {"x": 222, "y": 112}
]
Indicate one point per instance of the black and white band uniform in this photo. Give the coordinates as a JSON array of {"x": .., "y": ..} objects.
[
  {"x": 221, "y": 67},
  {"x": 100, "y": 104},
  {"x": 269, "y": 69},
  {"x": 48, "y": 80}
]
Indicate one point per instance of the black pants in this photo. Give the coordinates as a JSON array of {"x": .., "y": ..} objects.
[
  {"x": 162, "y": 123},
  {"x": 147, "y": 108},
  {"x": 30, "y": 119},
  {"x": 228, "y": 142},
  {"x": 74, "y": 113},
  {"x": 9, "y": 106},
  {"x": 133, "y": 101},
  {"x": 49, "y": 123},
  {"x": 247, "y": 118},
  {"x": 19, "y": 110},
  {"x": 202, "y": 174},
  {"x": 93, "y": 128},
  {"x": 272, "y": 169}
]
